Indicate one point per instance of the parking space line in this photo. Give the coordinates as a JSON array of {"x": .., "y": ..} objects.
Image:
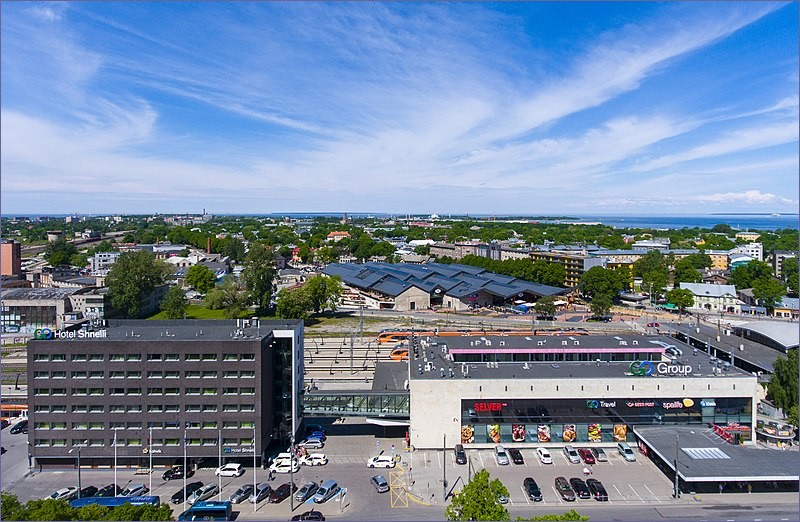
[
  {"x": 525, "y": 495},
  {"x": 637, "y": 494},
  {"x": 425, "y": 459},
  {"x": 651, "y": 492},
  {"x": 620, "y": 494},
  {"x": 438, "y": 459},
  {"x": 558, "y": 495},
  {"x": 481, "y": 459}
]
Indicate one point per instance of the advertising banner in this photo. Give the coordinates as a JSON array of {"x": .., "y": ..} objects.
[
  {"x": 543, "y": 433},
  {"x": 494, "y": 432},
  {"x": 518, "y": 433},
  {"x": 595, "y": 433},
  {"x": 620, "y": 432},
  {"x": 569, "y": 435},
  {"x": 467, "y": 434}
]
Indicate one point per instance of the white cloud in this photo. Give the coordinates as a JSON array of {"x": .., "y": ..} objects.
[{"x": 747, "y": 197}]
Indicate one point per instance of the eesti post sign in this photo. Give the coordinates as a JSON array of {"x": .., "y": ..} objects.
[
  {"x": 648, "y": 368},
  {"x": 46, "y": 334}
]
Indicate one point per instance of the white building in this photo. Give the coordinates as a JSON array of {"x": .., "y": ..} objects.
[
  {"x": 754, "y": 250},
  {"x": 101, "y": 262},
  {"x": 715, "y": 298}
]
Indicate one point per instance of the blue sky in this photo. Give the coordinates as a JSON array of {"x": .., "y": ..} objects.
[{"x": 524, "y": 108}]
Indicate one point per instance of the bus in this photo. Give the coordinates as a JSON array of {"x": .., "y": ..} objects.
[
  {"x": 117, "y": 501},
  {"x": 12, "y": 413},
  {"x": 211, "y": 510}
]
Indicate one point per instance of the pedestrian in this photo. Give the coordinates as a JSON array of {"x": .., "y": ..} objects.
[
  {"x": 721, "y": 486},
  {"x": 271, "y": 476},
  {"x": 749, "y": 488}
]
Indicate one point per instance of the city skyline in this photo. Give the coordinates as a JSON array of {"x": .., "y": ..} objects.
[{"x": 519, "y": 108}]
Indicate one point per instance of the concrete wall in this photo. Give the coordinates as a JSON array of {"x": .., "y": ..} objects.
[
  {"x": 420, "y": 298},
  {"x": 436, "y": 403}
]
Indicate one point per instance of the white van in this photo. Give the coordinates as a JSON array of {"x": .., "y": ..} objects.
[
  {"x": 626, "y": 451},
  {"x": 572, "y": 455}
]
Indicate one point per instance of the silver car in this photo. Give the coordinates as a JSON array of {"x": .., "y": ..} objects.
[
  {"x": 306, "y": 492},
  {"x": 380, "y": 483},
  {"x": 204, "y": 493},
  {"x": 262, "y": 491}
]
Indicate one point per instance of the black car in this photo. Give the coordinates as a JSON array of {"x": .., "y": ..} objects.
[
  {"x": 564, "y": 489},
  {"x": 532, "y": 489},
  {"x": 88, "y": 491},
  {"x": 281, "y": 493},
  {"x": 180, "y": 495},
  {"x": 597, "y": 490},
  {"x": 111, "y": 490},
  {"x": 581, "y": 490},
  {"x": 516, "y": 456},
  {"x": 309, "y": 515},
  {"x": 176, "y": 472},
  {"x": 3, "y": 424},
  {"x": 461, "y": 455},
  {"x": 20, "y": 427}
]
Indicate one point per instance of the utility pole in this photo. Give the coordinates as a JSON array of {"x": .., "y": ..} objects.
[{"x": 361, "y": 324}]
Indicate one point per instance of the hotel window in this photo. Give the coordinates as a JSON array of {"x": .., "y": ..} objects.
[
  {"x": 58, "y": 391},
  {"x": 58, "y": 375},
  {"x": 171, "y": 391},
  {"x": 96, "y": 357},
  {"x": 158, "y": 442},
  {"x": 210, "y": 442},
  {"x": 115, "y": 357},
  {"x": 230, "y": 425},
  {"x": 58, "y": 357},
  {"x": 41, "y": 375},
  {"x": 191, "y": 375},
  {"x": 96, "y": 391},
  {"x": 209, "y": 357},
  {"x": 59, "y": 442},
  {"x": 134, "y": 375},
  {"x": 247, "y": 407},
  {"x": 230, "y": 407},
  {"x": 192, "y": 425},
  {"x": 116, "y": 375},
  {"x": 247, "y": 441},
  {"x": 209, "y": 391},
  {"x": 192, "y": 391},
  {"x": 96, "y": 425},
  {"x": 230, "y": 375},
  {"x": 96, "y": 442},
  {"x": 154, "y": 425},
  {"x": 172, "y": 408},
  {"x": 210, "y": 375},
  {"x": 134, "y": 425},
  {"x": 44, "y": 426},
  {"x": 230, "y": 442},
  {"x": 154, "y": 357},
  {"x": 41, "y": 358},
  {"x": 116, "y": 425},
  {"x": 79, "y": 357},
  {"x": 230, "y": 391},
  {"x": 248, "y": 357},
  {"x": 134, "y": 442},
  {"x": 209, "y": 407},
  {"x": 172, "y": 442},
  {"x": 155, "y": 375},
  {"x": 42, "y": 442},
  {"x": 134, "y": 408},
  {"x": 96, "y": 408},
  {"x": 171, "y": 357},
  {"x": 116, "y": 408},
  {"x": 61, "y": 408},
  {"x": 79, "y": 391},
  {"x": 172, "y": 375},
  {"x": 96, "y": 375},
  {"x": 172, "y": 425},
  {"x": 193, "y": 442},
  {"x": 193, "y": 408},
  {"x": 155, "y": 408},
  {"x": 134, "y": 391},
  {"x": 248, "y": 424},
  {"x": 41, "y": 409},
  {"x": 58, "y": 426},
  {"x": 248, "y": 391},
  {"x": 191, "y": 357},
  {"x": 41, "y": 391},
  {"x": 227, "y": 357},
  {"x": 133, "y": 357},
  {"x": 247, "y": 374},
  {"x": 155, "y": 391}
]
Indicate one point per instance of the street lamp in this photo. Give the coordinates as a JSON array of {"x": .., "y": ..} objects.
[
  {"x": 79, "y": 465},
  {"x": 291, "y": 472},
  {"x": 677, "y": 449}
]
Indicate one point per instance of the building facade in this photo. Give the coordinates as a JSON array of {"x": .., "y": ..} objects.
[
  {"x": 10, "y": 258},
  {"x": 150, "y": 385}
]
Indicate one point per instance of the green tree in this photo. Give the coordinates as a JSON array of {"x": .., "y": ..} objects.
[
  {"x": 59, "y": 252},
  {"x": 304, "y": 253},
  {"x": 790, "y": 275},
  {"x": 698, "y": 260},
  {"x": 201, "y": 278},
  {"x": 600, "y": 305},
  {"x": 146, "y": 512},
  {"x": 546, "y": 306},
  {"x": 175, "y": 303},
  {"x": 743, "y": 275},
  {"x": 326, "y": 255},
  {"x": 324, "y": 292},
  {"x": 768, "y": 291},
  {"x": 782, "y": 388},
  {"x": 228, "y": 296},
  {"x": 11, "y": 508},
  {"x": 102, "y": 246},
  {"x": 681, "y": 298},
  {"x": 232, "y": 248},
  {"x": 382, "y": 248},
  {"x": 132, "y": 277},
  {"x": 294, "y": 304},
  {"x": 567, "y": 515},
  {"x": 479, "y": 500},
  {"x": 652, "y": 268},
  {"x": 685, "y": 272},
  {"x": 259, "y": 275},
  {"x": 554, "y": 275},
  {"x": 93, "y": 512},
  {"x": 600, "y": 281},
  {"x": 48, "y": 509}
]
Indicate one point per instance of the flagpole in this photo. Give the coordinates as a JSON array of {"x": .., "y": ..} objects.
[
  {"x": 185, "y": 469},
  {"x": 115, "y": 462},
  {"x": 150, "y": 451}
]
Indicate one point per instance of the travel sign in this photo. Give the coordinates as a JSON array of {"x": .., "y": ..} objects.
[{"x": 648, "y": 368}]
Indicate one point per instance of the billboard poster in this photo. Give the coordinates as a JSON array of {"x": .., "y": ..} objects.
[
  {"x": 620, "y": 432},
  {"x": 494, "y": 432},
  {"x": 543, "y": 433},
  {"x": 569, "y": 433},
  {"x": 595, "y": 433},
  {"x": 467, "y": 434},
  {"x": 518, "y": 432}
]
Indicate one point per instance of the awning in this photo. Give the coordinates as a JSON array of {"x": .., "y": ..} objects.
[
  {"x": 559, "y": 303},
  {"x": 387, "y": 422}
]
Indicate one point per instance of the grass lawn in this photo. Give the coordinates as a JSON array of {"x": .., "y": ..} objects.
[{"x": 201, "y": 312}]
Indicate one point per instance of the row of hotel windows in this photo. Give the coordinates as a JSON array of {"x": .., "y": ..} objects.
[
  {"x": 137, "y": 408},
  {"x": 156, "y": 425},
  {"x": 138, "y": 391},
  {"x": 121, "y": 357},
  {"x": 175, "y": 441},
  {"x": 173, "y": 374}
]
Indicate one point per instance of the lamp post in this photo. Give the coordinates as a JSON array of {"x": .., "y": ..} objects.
[
  {"x": 150, "y": 453},
  {"x": 677, "y": 449},
  {"x": 219, "y": 460},
  {"x": 79, "y": 465},
  {"x": 444, "y": 468},
  {"x": 291, "y": 472},
  {"x": 115, "y": 462},
  {"x": 255, "y": 469}
]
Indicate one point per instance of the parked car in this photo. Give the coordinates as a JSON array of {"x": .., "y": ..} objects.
[
  {"x": 19, "y": 427},
  {"x": 285, "y": 466},
  {"x": 326, "y": 491},
  {"x": 599, "y": 455},
  {"x": 380, "y": 483},
  {"x": 532, "y": 489},
  {"x": 502, "y": 499},
  {"x": 580, "y": 488},
  {"x": 501, "y": 456},
  {"x": 461, "y": 455},
  {"x": 261, "y": 492},
  {"x": 282, "y": 493},
  {"x": 179, "y": 495},
  {"x": 597, "y": 490},
  {"x": 653, "y": 325},
  {"x": 317, "y": 435},
  {"x": 68, "y": 493},
  {"x": 572, "y": 455},
  {"x": 204, "y": 493},
  {"x": 176, "y": 472},
  {"x": 311, "y": 428},
  {"x": 544, "y": 455},
  {"x": 135, "y": 490},
  {"x": 626, "y": 451},
  {"x": 309, "y": 515},
  {"x": 587, "y": 455},
  {"x": 112, "y": 490},
  {"x": 3, "y": 424},
  {"x": 381, "y": 461},
  {"x": 88, "y": 491},
  {"x": 312, "y": 443},
  {"x": 516, "y": 456},
  {"x": 564, "y": 489},
  {"x": 242, "y": 494},
  {"x": 314, "y": 459},
  {"x": 230, "y": 470},
  {"x": 306, "y": 492}
]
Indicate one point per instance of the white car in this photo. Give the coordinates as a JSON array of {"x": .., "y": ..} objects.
[
  {"x": 230, "y": 470},
  {"x": 285, "y": 466},
  {"x": 314, "y": 459},
  {"x": 64, "y": 493},
  {"x": 381, "y": 461},
  {"x": 544, "y": 456}
]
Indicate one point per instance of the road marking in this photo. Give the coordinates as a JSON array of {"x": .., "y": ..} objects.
[
  {"x": 525, "y": 494},
  {"x": 438, "y": 459},
  {"x": 637, "y": 494},
  {"x": 558, "y": 495},
  {"x": 620, "y": 494},
  {"x": 525, "y": 462},
  {"x": 481, "y": 459},
  {"x": 651, "y": 492},
  {"x": 425, "y": 459}
]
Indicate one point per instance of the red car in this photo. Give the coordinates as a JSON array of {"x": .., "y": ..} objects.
[
  {"x": 653, "y": 325},
  {"x": 586, "y": 455}
]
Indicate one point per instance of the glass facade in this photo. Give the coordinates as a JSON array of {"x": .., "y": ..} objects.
[
  {"x": 27, "y": 318},
  {"x": 592, "y": 420}
]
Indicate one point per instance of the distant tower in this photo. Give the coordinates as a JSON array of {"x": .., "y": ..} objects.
[{"x": 344, "y": 219}]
